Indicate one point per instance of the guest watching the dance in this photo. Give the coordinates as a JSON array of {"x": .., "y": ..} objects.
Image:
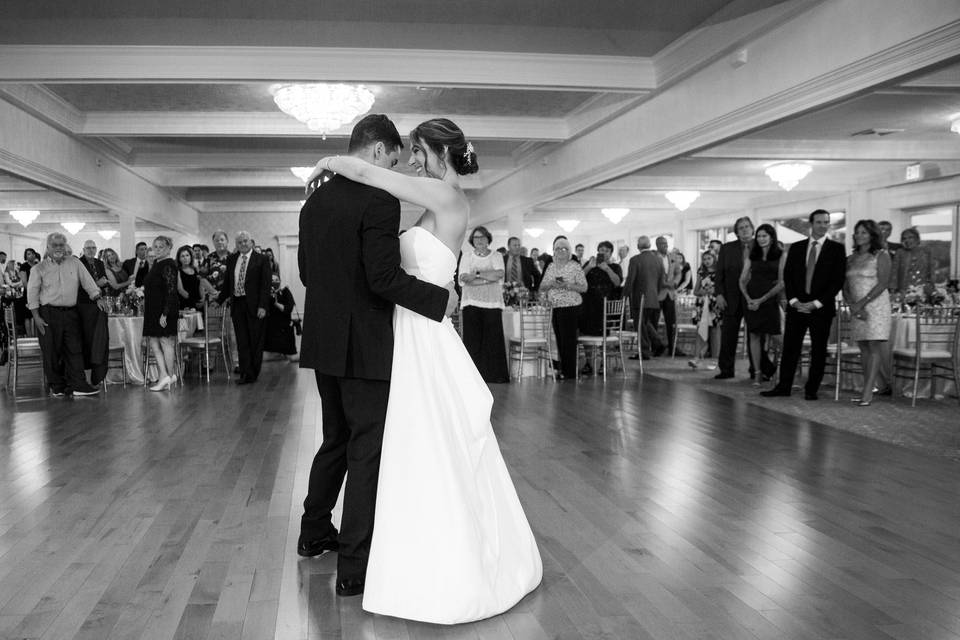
[
  {"x": 865, "y": 290},
  {"x": 481, "y": 303},
  {"x": 188, "y": 279},
  {"x": 274, "y": 267},
  {"x": 913, "y": 265},
  {"x": 517, "y": 268},
  {"x": 279, "y": 336},
  {"x": 117, "y": 279},
  {"x": 562, "y": 283},
  {"x": 161, "y": 306},
  {"x": 885, "y": 230},
  {"x": 715, "y": 246},
  {"x": 215, "y": 266},
  {"x": 761, "y": 283},
  {"x": 138, "y": 268},
  {"x": 685, "y": 281},
  {"x": 707, "y": 316},
  {"x": 668, "y": 293},
  {"x": 578, "y": 254},
  {"x": 603, "y": 282},
  {"x": 15, "y": 292},
  {"x": 93, "y": 321},
  {"x": 52, "y": 299}
]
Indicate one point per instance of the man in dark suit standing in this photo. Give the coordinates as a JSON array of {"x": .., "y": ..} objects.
[
  {"x": 730, "y": 300},
  {"x": 138, "y": 267},
  {"x": 93, "y": 321},
  {"x": 646, "y": 280},
  {"x": 519, "y": 268},
  {"x": 349, "y": 257},
  {"x": 247, "y": 282},
  {"x": 813, "y": 276}
]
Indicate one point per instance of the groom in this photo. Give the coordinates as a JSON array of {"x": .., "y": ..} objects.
[{"x": 349, "y": 258}]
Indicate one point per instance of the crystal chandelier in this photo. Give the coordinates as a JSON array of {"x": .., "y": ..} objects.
[
  {"x": 682, "y": 199},
  {"x": 323, "y": 107},
  {"x": 107, "y": 234},
  {"x": 788, "y": 174},
  {"x": 24, "y": 217},
  {"x": 615, "y": 214},
  {"x": 73, "y": 227},
  {"x": 534, "y": 232},
  {"x": 568, "y": 225}
]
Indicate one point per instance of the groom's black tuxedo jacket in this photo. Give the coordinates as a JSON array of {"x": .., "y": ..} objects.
[{"x": 349, "y": 257}]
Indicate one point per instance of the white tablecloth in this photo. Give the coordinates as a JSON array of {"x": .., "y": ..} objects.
[
  {"x": 127, "y": 331},
  {"x": 511, "y": 329}
]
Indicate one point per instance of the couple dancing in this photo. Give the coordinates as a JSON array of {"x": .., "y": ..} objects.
[{"x": 432, "y": 529}]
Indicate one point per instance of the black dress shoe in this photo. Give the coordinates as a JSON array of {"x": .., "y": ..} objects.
[
  {"x": 810, "y": 396},
  {"x": 634, "y": 357},
  {"x": 243, "y": 380},
  {"x": 775, "y": 393},
  {"x": 658, "y": 351},
  {"x": 349, "y": 587},
  {"x": 317, "y": 546},
  {"x": 723, "y": 375},
  {"x": 886, "y": 391}
]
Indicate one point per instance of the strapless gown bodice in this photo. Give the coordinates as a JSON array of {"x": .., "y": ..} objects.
[{"x": 425, "y": 257}]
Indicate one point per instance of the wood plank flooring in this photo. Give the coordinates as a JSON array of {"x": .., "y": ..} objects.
[{"x": 662, "y": 512}]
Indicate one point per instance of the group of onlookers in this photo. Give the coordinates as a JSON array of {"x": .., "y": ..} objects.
[{"x": 62, "y": 299}]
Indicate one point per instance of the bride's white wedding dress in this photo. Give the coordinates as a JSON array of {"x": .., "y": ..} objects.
[{"x": 450, "y": 541}]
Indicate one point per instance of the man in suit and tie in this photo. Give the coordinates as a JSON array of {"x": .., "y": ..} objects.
[
  {"x": 247, "y": 283},
  {"x": 646, "y": 279},
  {"x": 519, "y": 268},
  {"x": 668, "y": 293},
  {"x": 813, "y": 275},
  {"x": 138, "y": 267},
  {"x": 349, "y": 258},
  {"x": 93, "y": 321}
]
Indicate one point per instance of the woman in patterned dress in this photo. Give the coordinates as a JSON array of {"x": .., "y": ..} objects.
[
  {"x": 563, "y": 282},
  {"x": 708, "y": 316}
]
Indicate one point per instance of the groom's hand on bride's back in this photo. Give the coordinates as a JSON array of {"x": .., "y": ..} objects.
[{"x": 453, "y": 301}]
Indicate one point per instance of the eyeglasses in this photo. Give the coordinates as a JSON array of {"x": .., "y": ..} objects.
[
  {"x": 479, "y": 237},
  {"x": 567, "y": 249}
]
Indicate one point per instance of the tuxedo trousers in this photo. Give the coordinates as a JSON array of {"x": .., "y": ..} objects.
[
  {"x": 251, "y": 332},
  {"x": 61, "y": 345},
  {"x": 353, "y": 411},
  {"x": 797, "y": 325}
]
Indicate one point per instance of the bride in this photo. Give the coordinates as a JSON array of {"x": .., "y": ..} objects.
[{"x": 450, "y": 542}]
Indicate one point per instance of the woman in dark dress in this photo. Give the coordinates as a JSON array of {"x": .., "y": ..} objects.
[
  {"x": 117, "y": 278},
  {"x": 215, "y": 266},
  {"x": 188, "y": 279},
  {"x": 161, "y": 306},
  {"x": 279, "y": 330},
  {"x": 761, "y": 283}
]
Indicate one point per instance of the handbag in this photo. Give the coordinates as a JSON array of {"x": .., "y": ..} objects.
[{"x": 297, "y": 323}]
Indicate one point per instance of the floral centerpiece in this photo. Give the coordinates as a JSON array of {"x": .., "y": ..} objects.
[
  {"x": 514, "y": 294},
  {"x": 132, "y": 299}
]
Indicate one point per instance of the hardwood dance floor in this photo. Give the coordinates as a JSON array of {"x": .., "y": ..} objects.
[{"x": 661, "y": 512}]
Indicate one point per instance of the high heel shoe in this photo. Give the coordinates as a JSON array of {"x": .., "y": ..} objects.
[{"x": 162, "y": 384}]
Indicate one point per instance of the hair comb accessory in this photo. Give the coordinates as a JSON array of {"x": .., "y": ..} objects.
[{"x": 466, "y": 154}]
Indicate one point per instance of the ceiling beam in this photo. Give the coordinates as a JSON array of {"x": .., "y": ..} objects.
[
  {"x": 119, "y": 63},
  {"x": 861, "y": 149},
  {"x": 43, "y": 201}
]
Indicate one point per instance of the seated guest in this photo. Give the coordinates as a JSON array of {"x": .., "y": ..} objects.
[
  {"x": 761, "y": 283},
  {"x": 481, "y": 301},
  {"x": 562, "y": 284},
  {"x": 117, "y": 278},
  {"x": 707, "y": 317},
  {"x": 138, "y": 267},
  {"x": 280, "y": 337},
  {"x": 913, "y": 266},
  {"x": 603, "y": 281},
  {"x": 161, "y": 307},
  {"x": 52, "y": 300},
  {"x": 188, "y": 279}
]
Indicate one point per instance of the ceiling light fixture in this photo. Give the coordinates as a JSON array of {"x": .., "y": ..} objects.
[
  {"x": 682, "y": 199},
  {"x": 24, "y": 217},
  {"x": 535, "y": 232},
  {"x": 107, "y": 234},
  {"x": 615, "y": 214},
  {"x": 323, "y": 107},
  {"x": 568, "y": 225},
  {"x": 955, "y": 125},
  {"x": 788, "y": 174},
  {"x": 73, "y": 227},
  {"x": 301, "y": 172}
]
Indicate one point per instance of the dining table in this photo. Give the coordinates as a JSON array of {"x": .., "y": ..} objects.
[
  {"x": 127, "y": 331},
  {"x": 511, "y": 329}
]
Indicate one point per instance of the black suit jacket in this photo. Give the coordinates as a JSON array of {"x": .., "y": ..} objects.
[
  {"x": 529, "y": 276},
  {"x": 828, "y": 275},
  {"x": 96, "y": 269},
  {"x": 256, "y": 286},
  {"x": 128, "y": 266},
  {"x": 729, "y": 268},
  {"x": 349, "y": 258}
]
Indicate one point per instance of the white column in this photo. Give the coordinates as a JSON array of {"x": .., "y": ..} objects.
[{"x": 127, "y": 241}]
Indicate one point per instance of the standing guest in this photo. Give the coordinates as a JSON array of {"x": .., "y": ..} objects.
[
  {"x": 502, "y": 251},
  {"x": 93, "y": 321},
  {"x": 730, "y": 300},
  {"x": 52, "y": 299},
  {"x": 188, "y": 279},
  {"x": 247, "y": 282},
  {"x": 519, "y": 268},
  {"x": 481, "y": 276},
  {"x": 603, "y": 282},
  {"x": 279, "y": 335},
  {"x": 578, "y": 254},
  {"x": 761, "y": 283},
  {"x": 534, "y": 254},
  {"x": 668, "y": 294},
  {"x": 274, "y": 267},
  {"x": 622, "y": 252},
  {"x": 865, "y": 290},
  {"x": 562, "y": 283},
  {"x": 685, "y": 279},
  {"x": 715, "y": 246},
  {"x": 138, "y": 267},
  {"x": 524, "y": 252},
  {"x": 646, "y": 278},
  {"x": 30, "y": 258},
  {"x": 913, "y": 265},
  {"x": 117, "y": 278},
  {"x": 707, "y": 316},
  {"x": 885, "y": 230},
  {"x": 15, "y": 289},
  {"x": 161, "y": 311},
  {"x": 813, "y": 276},
  {"x": 198, "y": 254},
  {"x": 214, "y": 267}
]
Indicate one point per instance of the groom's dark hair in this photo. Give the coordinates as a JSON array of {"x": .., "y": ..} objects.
[{"x": 372, "y": 129}]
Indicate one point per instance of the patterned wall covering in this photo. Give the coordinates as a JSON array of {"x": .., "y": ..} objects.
[{"x": 263, "y": 227}]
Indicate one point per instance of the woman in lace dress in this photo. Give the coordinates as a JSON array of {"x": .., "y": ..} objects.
[
  {"x": 708, "y": 316},
  {"x": 865, "y": 290},
  {"x": 161, "y": 310}
]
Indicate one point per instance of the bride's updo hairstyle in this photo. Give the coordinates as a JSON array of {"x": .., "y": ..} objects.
[{"x": 439, "y": 133}]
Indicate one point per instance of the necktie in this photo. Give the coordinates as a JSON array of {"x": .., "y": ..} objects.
[
  {"x": 243, "y": 276},
  {"x": 811, "y": 263},
  {"x": 514, "y": 269}
]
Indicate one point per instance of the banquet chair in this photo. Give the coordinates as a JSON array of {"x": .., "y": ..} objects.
[
  {"x": 148, "y": 359},
  {"x": 116, "y": 359},
  {"x": 933, "y": 348},
  {"x": 843, "y": 355},
  {"x": 24, "y": 353},
  {"x": 533, "y": 343},
  {"x": 629, "y": 338},
  {"x": 211, "y": 340},
  {"x": 609, "y": 344},
  {"x": 685, "y": 328}
]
